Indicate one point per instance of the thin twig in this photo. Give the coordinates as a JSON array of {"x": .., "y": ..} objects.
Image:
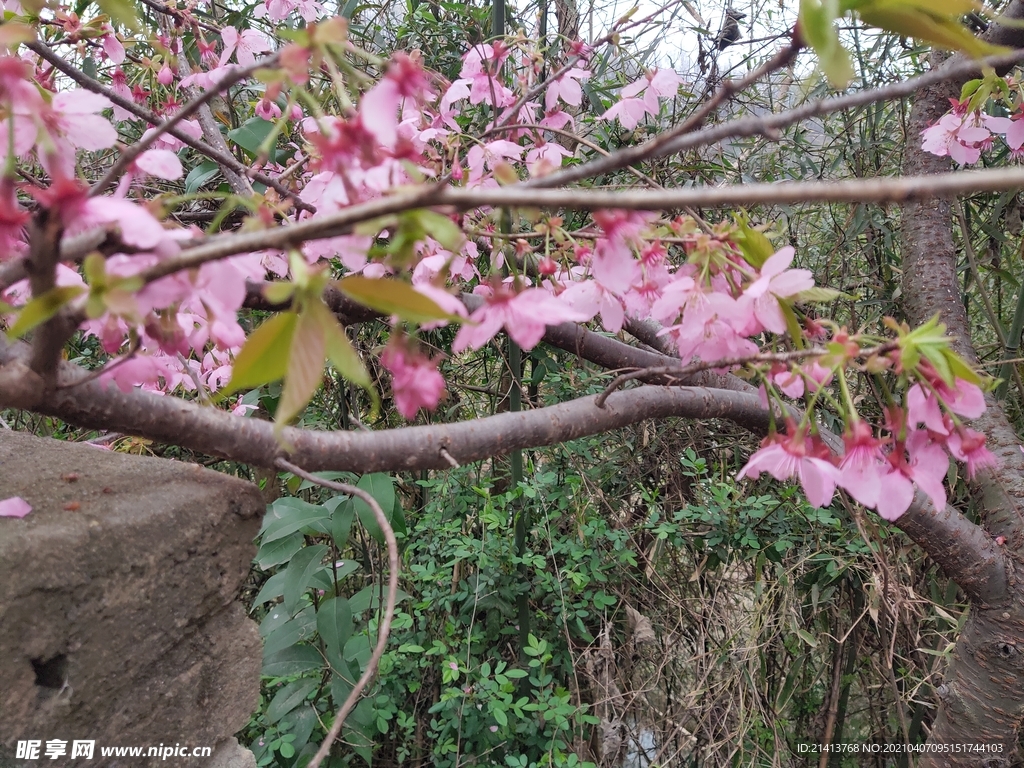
[
  {"x": 630, "y": 155},
  {"x": 193, "y": 106},
  {"x": 679, "y": 372},
  {"x": 877, "y": 190},
  {"x": 225, "y": 159},
  {"x": 383, "y": 626}
]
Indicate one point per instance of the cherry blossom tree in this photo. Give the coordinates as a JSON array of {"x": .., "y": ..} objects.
[{"x": 374, "y": 187}]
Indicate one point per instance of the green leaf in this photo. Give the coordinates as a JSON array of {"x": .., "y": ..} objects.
[
  {"x": 42, "y": 308},
  {"x": 280, "y": 551},
  {"x": 382, "y": 488},
  {"x": 273, "y": 588},
  {"x": 278, "y": 293},
  {"x": 911, "y": 19},
  {"x": 819, "y": 295},
  {"x": 817, "y": 25},
  {"x": 442, "y": 229},
  {"x": 293, "y": 631},
  {"x": 305, "y": 368},
  {"x": 369, "y": 598},
  {"x": 334, "y": 623},
  {"x": 120, "y": 11},
  {"x": 264, "y": 358},
  {"x": 251, "y": 134},
  {"x": 393, "y": 297},
  {"x": 339, "y": 350},
  {"x": 499, "y": 716},
  {"x": 300, "y": 571},
  {"x": 199, "y": 175},
  {"x": 341, "y": 523},
  {"x": 292, "y": 515},
  {"x": 756, "y": 247},
  {"x": 288, "y": 698},
  {"x": 293, "y": 660}
]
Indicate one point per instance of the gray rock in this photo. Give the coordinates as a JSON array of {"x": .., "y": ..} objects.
[{"x": 118, "y": 620}]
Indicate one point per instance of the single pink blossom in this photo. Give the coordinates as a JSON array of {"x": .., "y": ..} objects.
[
  {"x": 1011, "y": 128},
  {"x": 968, "y": 446},
  {"x": 523, "y": 315},
  {"x": 786, "y": 456},
  {"x": 415, "y": 380},
  {"x": 776, "y": 282},
  {"x": 952, "y": 136},
  {"x": 245, "y": 46}
]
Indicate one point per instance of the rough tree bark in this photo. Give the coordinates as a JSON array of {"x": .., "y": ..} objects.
[{"x": 982, "y": 697}]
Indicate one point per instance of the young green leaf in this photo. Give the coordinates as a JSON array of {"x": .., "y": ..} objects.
[
  {"x": 42, "y": 308},
  {"x": 817, "y": 25},
  {"x": 264, "y": 358},
  {"x": 393, "y": 297},
  {"x": 305, "y": 368}
]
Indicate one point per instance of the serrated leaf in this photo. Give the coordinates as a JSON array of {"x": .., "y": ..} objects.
[
  {"x": 334, "y": 623},
  {"x": 304, "y": 564},
  {"x": 382, "y": 488},
  {"x": 793, "y": 327},
  {"x": 341, "y": 354},
  {"x": 264, "y": 357},
  {"x": 14, "y": 33},
  {"x": 938, "y": 360},
  {"x": 754, "y": 244},
  {"x": 42, "y": 308},
  {"x": 909, "y": 21},
  {"x": 305, "y": 368},
  {"x": 393, "y": 297},
  {"x": 279, "y": 293},
  {"x": 961, "y": 369},
  {"x": 120, "y": 11},
  {"x": 288, "y": 698}
]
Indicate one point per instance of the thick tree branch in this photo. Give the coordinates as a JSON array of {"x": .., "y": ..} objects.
[
  {"x": 947, "y": 537},
  {"x": 984, "y": 688}
]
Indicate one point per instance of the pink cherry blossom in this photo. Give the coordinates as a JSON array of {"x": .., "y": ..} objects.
[
  {"x": 785, "y": 456},
  {"x": 1011, "y": 128},
  {"x": 969, "y": 446},
  {"x": 245, "y": 46},
  {"x": 954, "y": 137},
  {"x": 523, "y": 315},
  {"x": 161, "y": 163},
  {"x": 776, "y": 282},
  {"x": 415, "y": 380},
  {"x": 567, "y": 88},
  {"x": 863, "y": 465},
  {"x": 926, "y": 467}
]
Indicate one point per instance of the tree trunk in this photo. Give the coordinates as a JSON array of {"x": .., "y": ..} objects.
[{"x": 982, "y": 698}]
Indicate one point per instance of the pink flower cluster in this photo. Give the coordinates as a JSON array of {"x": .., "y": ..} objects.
[
  {"x": 963, "y": 137},
  {"x": 881, "y": 473}
]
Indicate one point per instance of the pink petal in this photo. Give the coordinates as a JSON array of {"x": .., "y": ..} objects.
[
  {"x": 14, "y": 507},
  {"x": 161, "y": 163}
]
